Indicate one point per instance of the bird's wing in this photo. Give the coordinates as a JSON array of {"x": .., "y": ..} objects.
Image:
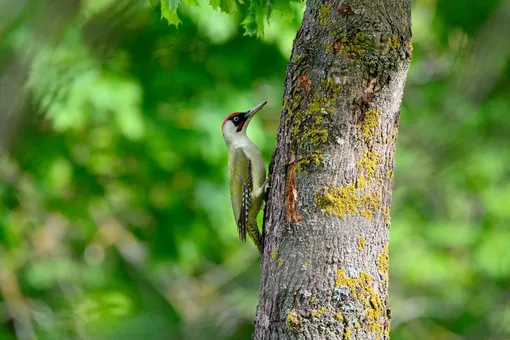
[{"x": 241, "y": 184}]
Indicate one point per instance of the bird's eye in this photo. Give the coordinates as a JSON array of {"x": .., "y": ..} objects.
[{"x": 236, "y": 118}]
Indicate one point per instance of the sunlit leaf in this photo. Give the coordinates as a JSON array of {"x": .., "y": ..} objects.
[
  {"x": 227, "y": 6},
  {"x": 169, "y": 11},
  {"x": 253, "y": 24}
]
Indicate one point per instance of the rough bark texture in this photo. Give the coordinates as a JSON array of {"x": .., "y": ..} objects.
[{"x": 325, "y": 262}]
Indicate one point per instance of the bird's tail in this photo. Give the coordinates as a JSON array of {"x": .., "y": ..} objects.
[{"x": 256, "y": 236}]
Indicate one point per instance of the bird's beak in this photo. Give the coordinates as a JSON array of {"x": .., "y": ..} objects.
[{"x": 251, "y": 112}]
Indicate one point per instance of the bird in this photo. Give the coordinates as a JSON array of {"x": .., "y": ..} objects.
[{"x": 246, "y": 174}]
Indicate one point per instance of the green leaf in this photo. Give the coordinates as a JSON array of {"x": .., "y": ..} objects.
[
  {"x": 191, "y": 2},
  {"x": 154, "y": 3},
  {"x": 226, "y": 6},
  {"x": 253, "y": 24},
  {"x": 169, "y": 11}
]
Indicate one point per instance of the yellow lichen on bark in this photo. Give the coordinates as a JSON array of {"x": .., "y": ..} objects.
[
  {"x": 339, "y": 201},
  {"x": 347, "y": 201},
  {"x": 383, "y": 262},
  {"x": 316, "y": 313},
  {"x": 386, "y": 214},
  {"x": 361, "y": 243},
  {"x": 370, "y": 123},
  {"x": 293, "y": 320},
  {"x": 369, "y": 163},
  {"x": 362, "y": 290},
  {"x": 361, "y": 196},
  {"x": 367, "y": 214}
]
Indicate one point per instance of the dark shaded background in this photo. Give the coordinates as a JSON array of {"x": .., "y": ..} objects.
[{"x": 115, "y": 219}]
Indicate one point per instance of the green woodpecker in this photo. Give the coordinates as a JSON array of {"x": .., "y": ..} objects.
[{"x": 246, "y": 174}]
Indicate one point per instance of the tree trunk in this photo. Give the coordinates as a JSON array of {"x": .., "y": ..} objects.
[{"x": 326, "y": 230}]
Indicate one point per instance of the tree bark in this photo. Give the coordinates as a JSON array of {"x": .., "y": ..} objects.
[{"x": 326, "y": 224}]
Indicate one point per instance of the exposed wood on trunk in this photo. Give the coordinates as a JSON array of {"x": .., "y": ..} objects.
[
  {"x": 291, "y": 199},
  {"x": 325, "y": 262}
]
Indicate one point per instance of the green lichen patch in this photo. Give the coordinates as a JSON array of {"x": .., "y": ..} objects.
[
  {"x": 394, "y": 41},
  {"x": 353, "y": 45},
  {"x": 307, "y": 124},
  {"x": 275, "y": 257},
  {"x": 357, "y": 47},
  {"x": 367, "y": 49},
  {"x": 332, "y": 87},
  {"x": 324, "y": 12},
  {"x": 361, "y": 289},
  {"x": 316, "y": 136},
  {"x": 274, "y": 254}
]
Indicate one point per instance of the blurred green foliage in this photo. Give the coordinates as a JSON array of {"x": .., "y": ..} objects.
[{"x": 115, "y": 219}]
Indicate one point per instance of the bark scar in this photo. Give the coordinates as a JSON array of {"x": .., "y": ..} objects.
[
  {"x": 292, "y": 216},
  {"x": 368, "y": 92},
  {"x": 366, "y": 98},
  {"x": 305, "y": 82},
  {"x": 345, "y": 10}
]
